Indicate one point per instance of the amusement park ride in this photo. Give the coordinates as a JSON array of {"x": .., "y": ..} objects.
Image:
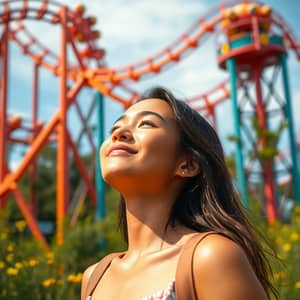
[{"x": 252, "y": 45}]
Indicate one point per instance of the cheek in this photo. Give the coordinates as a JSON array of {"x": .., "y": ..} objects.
[{"x": 160, "y": 153}]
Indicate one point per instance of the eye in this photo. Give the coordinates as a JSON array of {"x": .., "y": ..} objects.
[{"x": 147, "y": 123}]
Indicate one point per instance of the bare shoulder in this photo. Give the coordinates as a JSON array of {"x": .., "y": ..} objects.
[
  {"x": 216, "y": 253},
  {"x": 220, "y": 260},
  {"x": 218, "y": 249},
  {"x": 85, "y": 279}
]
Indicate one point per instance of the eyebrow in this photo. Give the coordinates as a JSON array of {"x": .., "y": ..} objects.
[{"x": 142, "y": 113}]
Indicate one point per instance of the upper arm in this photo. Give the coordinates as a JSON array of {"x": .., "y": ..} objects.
[
  {"x": 85, "y": 279},
  {"x": 222, "y": 271}
]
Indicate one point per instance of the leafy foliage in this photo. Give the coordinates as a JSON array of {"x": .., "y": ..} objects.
[{"x": 27, "y": 272}]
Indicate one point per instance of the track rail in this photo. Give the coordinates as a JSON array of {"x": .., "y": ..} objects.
[{"x": 112, "y": 81}]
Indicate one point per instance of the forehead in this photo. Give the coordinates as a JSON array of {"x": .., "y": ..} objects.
[{"x": 152, "y": 104}]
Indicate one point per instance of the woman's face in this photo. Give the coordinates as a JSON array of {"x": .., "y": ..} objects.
[{"x": 142, "y": 147}]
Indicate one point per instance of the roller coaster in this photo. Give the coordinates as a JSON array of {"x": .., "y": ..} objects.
[{"x": 252, "y": 42}]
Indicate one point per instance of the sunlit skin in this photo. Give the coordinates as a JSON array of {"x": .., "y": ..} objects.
[
  {"x": 141, "y": 159},
  {"x": 151, "y": 168}
]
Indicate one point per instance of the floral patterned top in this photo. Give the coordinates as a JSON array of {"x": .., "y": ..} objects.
[{"x": 167, "y": 294}]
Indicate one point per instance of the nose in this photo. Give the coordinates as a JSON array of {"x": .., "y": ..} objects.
[{"x": 122, "y": 134}]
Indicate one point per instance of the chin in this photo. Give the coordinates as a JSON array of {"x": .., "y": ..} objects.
[{"x": 117, "y": 177}]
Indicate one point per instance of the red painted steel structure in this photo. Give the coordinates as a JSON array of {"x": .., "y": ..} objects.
[
  {"x": 267, "y": 166},
  {"x": 111, "y": 82},
  {"x": 3, "y": 116}
]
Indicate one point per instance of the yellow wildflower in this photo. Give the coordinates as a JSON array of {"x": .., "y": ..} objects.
[
  {"x": 10, "y": 257},
  {"x": 48, "y": 282},
  {"x": 50, "y": 258},
  {"x": 75, "y": 278},
  {"x": 279, "y": 240},
  {"x": 279, "y": 275},
  {"x": 32, "y": 262},
  {"x": 10, "y": 247},
  {"x": 71, "y": 278},
  {"x": 297, "y": 284},
  {"x": 12, "y": 271},
  {"x": 21, "y": 225},
  {"x": 3, "y": 236},
  {"x": 18, "y": 265},
  {"x": 2, "y": 264},
  {"x": 50, "y": 255},
  {"x": 294, "y": 236},
  {"x": 287, "y": 247}
]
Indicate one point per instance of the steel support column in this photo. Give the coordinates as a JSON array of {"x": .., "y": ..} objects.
[
  {"x": 241, "y": 177},
  {"x": 62, "y": 142},
  {"x": 267, "y": 165},
  {"x": 100, "y": 185},
  {"x": 292, "y": 139},
  {"x": 30, "y": 219},
  {"x": 32, "y": 168},
  {"x": 3, "y": 107}
]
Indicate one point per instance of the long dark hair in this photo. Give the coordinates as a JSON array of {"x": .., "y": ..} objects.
[{"x": 208, "y": 201}]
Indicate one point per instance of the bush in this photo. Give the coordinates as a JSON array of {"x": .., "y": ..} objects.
[
  {"x": 286, "y": 239},
  {"x": 27, "y": 272}
]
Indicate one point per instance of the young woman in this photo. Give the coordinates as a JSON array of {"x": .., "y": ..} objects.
[{"x": 168, "y": 164}]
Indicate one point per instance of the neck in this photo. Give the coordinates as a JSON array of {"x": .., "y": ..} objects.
[{"x": 147, "y": 218}]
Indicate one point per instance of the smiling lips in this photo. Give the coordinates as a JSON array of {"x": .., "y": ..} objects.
[{"x": 119, "y": 150}]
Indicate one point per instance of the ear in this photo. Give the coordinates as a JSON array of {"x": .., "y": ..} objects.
[{"x": 188, "y": 167}]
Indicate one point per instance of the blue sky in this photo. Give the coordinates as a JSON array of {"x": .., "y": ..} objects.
[{"x": 131, "y": 31}]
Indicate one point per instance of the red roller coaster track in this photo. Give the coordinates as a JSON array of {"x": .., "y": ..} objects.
[{"x": 111, "y": 82}]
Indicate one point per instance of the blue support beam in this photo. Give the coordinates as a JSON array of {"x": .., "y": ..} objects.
[
  {"x": 100, "y": 185},
  {"x": 292, "y": 139},
  {"x": 239, "y": 161}
]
